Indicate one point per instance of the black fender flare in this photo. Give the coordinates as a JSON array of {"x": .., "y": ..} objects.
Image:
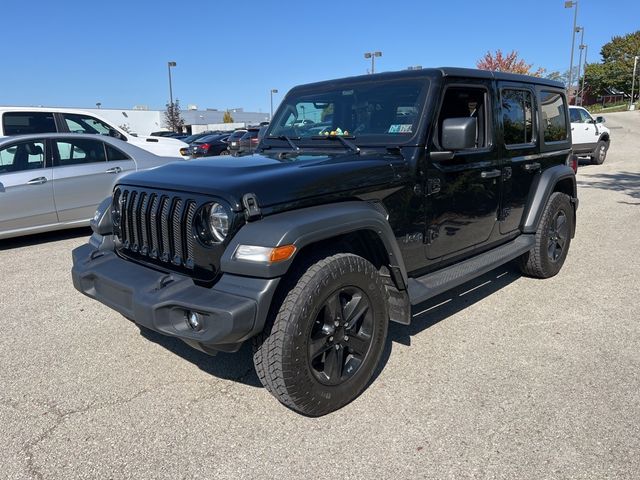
[
  {"x": 305, "y": 226},
  {"x": 543, "y": 186}
]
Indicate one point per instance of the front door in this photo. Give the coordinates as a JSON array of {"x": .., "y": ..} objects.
[
  {"x": 463, "y": 187},
  {"x": 26, "y": 189}
]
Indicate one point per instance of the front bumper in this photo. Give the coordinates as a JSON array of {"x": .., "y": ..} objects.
[{"x": 232, "y": 311}]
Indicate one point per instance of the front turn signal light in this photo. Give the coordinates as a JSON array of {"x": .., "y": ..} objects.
[{"x": 254, "y": 253}]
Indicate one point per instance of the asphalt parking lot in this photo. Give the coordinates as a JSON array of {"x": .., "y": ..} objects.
[{"x": 505, "y": 377}]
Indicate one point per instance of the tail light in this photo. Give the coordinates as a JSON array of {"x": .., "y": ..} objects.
[
  {"x": 204, "y": 146},
  {"x": 572, "y": 161},
  {"x": 255, "y": 140}
]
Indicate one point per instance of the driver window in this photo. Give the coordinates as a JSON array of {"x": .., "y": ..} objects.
[
  {"x": 462, "y": 102},
  {"x": 85, "y": 124}
]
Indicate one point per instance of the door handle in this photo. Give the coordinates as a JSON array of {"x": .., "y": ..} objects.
[
  {"x": 37, "y": 181},
  {"x": 530, "y": 167},
  {"x": 113, "y": 170},
  {"x": 490, "y": 173}
]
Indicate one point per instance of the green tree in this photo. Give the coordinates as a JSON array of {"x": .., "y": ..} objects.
[
  {"x": 227, "y": 118},
  {"x": 510, "y": 62},
  {"x": 616, "y": 69},
  {"x": 172, "y": 118}
]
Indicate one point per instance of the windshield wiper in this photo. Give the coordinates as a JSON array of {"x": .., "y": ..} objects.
[
  {"x": 350, "y": 145},
  {"x": 288, "y": 140}
]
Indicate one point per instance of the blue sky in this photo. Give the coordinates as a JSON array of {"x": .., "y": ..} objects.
[{"x": 76, "y": 53}]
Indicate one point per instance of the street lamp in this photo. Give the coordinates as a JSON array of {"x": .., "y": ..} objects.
[
  {"x": 580, "y": 47},
  {"x": 573, "y": 38},
  {"x": 633, "y": 81},
  {"x": 271, "y": 92},
  {"x": 372, "y": 56},
  {"x": 169, "y": 65},
  {"x": 98, "y": 105},
  {"x": 584, "y": 72}
]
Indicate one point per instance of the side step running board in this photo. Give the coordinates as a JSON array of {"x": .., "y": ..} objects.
[{"x": 423, "y": 288}]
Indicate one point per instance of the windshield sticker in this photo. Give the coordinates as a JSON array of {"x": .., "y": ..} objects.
[{"x": 401, "y": 128}]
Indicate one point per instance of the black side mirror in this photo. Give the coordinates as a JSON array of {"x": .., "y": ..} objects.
[
  {"x": 599, "y": 119},
  {"x": 459, "y": 133},
  {"x": 116, "y": 134}
]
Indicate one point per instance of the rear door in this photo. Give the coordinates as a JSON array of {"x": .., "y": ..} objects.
[
  {"x": 83, "y": 177},
  {"x": 26, "y": 188},
  {"x": 521, "y": 151},
  {"x": 463, "y": 186}
]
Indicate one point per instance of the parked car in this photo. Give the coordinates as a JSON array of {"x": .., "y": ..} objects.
[
  {"x": 210, "y": 146},
  {"x": 234, "y": 140},
  {"x": 28, "y": 120},
  {"x": 427, "y": 179},
  {"x": 55, "y": 181},
  {"x": 590, "y": 137},
  {"x": 249, "y": 141}
]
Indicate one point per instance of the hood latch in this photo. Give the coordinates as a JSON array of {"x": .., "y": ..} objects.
[{"x": 251, "y": 207}]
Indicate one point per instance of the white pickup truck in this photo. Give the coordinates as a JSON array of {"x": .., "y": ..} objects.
[{"x": 590, "y": 136}]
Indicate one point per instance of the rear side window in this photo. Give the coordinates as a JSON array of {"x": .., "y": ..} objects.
[
  {"x": 22, "y": 156},
  {"x": 517, "y": 117},
  {"x": 79, "y": 151},
  {"x": 20, "y": 123},
  {"x": 554, "y": 119},
  {"x": 113, "y": 154}
]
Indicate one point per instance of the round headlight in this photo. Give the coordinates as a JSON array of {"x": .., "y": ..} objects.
[{"x": 218, "y": 222}]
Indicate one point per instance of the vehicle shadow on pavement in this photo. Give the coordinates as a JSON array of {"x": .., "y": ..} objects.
[
  {"x": 625, "y": 182},
  {"x": 39, "y": 238},
  {"x": 237, "y": 367},
  {"x": 447, "y": 304}
]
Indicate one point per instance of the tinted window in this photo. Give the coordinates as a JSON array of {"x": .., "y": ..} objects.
[
  {"x": 554, "y": 120},
  {"x": 517, "y": 119},
  {"x": 22, "y": 156},
  {"x": 465, "y": 102},
  {"x": 113, "y": 154},
  {"x": 85, "y": 124},
  {"x": 574, "y": 115},
  {"x": 17, "y": 123},
  {"x": 77, "y": 151}
]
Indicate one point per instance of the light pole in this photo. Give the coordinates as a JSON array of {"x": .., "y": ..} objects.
[
  {"x": 584, "y": 72},
  {"x": 571, "y": 4},
  {"x": 580, "y": 47},
  {"x": 98, "y": 105},
  {"x": 169, "y": 65},
  {"x": 372, "y": 56},
  {"x": 271, "y": 92},
  {"x": 633, "y": 81}
]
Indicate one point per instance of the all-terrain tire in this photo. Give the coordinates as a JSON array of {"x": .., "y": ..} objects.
[
  {"x": 282, "y": 353},
  {"x": 553, "y": 239}
]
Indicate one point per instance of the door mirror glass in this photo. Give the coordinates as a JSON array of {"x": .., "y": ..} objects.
[
  {"x": 599, "y": 119},
  {"x": 459, "y": 133}
]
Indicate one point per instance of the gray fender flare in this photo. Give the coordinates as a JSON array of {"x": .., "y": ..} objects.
[
  {"x": 541, "y": 189},
  {"x": 306, "y": 226}
]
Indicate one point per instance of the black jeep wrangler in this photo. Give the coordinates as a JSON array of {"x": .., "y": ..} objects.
[{"x": 367, "y": 195}]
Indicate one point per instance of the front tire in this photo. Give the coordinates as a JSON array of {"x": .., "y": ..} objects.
[
  {"x": 321, "y": 348},
  {"x": 553, "y": 239}
]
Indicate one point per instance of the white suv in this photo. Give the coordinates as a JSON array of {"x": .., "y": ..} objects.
[
  {"x": 29, "y": 120},
  {"x": 590, "y": 137}
]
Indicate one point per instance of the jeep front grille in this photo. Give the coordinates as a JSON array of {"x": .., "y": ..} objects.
[{"x": 156, "y": 225}]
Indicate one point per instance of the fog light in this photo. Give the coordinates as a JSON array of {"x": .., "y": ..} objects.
[{"x": 194, "y": 320}]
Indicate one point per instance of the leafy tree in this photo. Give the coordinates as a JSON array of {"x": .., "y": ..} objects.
[
  {"x": 172, "y": 118},
  {"x": 227, "y": 118},
  {"x": 616, "y": 69},
  {"x": 510, "y": 62}
]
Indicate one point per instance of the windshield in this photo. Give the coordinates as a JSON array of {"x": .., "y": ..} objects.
[{"x": 376, "y": 112}]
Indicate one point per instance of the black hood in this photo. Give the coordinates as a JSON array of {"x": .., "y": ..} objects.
[{"x": 272, "y": 179}]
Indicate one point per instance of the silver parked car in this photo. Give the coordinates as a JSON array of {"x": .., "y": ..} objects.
[{"x": 55, "y": 181}]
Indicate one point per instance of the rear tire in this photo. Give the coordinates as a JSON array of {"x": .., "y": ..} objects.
[
  {"x": 320, "y": 349},
  {"x": 553, "y": 239},
  {"x": 600, "y": 153}
]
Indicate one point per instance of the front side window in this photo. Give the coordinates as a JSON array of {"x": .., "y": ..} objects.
[
  {"x": 374, "y": 112},
  {"x": 86, "y": 124},
  {"x": 79, "y": 151},
  {"x": 464, "y": 102},
  {"x": 517, "y": 117},
  {"x": 22, "y": 123},
  {"x": 554, "y": 120},
  {"x": 22, "y": 156}
]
